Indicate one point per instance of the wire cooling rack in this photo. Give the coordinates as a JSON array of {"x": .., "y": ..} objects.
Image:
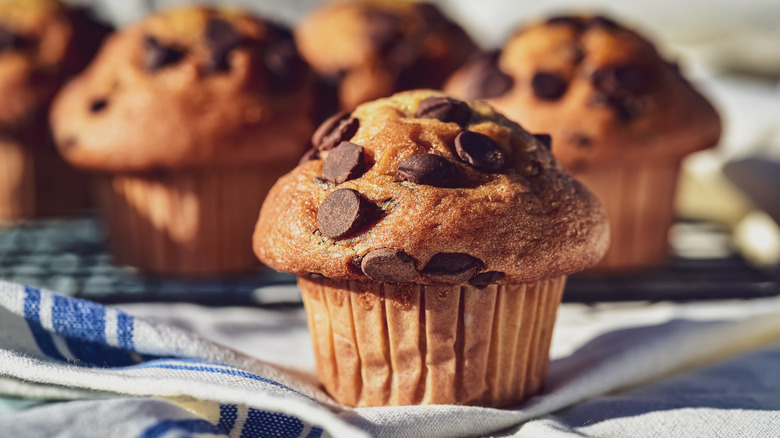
[{"x": 69, "y": 257}]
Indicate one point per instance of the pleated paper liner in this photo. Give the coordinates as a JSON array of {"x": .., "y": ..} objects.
[
  {"x": 639, "y": 200},
  {"x": 17, "y": 181},
  {"x": 36, "y": 182},
  {"x": 382, "y": 344},
  {"x": 185, "y": 223}
]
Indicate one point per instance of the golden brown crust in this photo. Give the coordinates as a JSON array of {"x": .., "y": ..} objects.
[
  {"x": 649, "y": 113},
  {"x": 529, "y": 220},
  {"x": 203, "y": 105},
  {"x": 38, "y": 51},
  {"x": 379, "y": 47}
]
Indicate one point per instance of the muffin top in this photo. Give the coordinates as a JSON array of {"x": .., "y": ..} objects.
[
  {"x": 601, "y": 90},
  {"x": 188, "y": 88},
  {"x": 423, "y": 188},
  {"x": 38, "y": 51},
  {"x": 374, "y": 48}
]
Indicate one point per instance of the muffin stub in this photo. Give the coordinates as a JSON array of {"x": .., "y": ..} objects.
[
  {"x": 42, "y": 44},
  {"x": 371, "y": 49},
  {"x": 425, "y": 189},
  {"x": 602, "y": 91}
]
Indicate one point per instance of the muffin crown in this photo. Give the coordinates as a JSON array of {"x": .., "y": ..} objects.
[
  {"x": 600, "y": 89},
  {"x": 377, "y": 47},
  {"x": 39, "y": 49},
  {"x": 423, "y": 188},
  {"x": 188, "y": 88}
]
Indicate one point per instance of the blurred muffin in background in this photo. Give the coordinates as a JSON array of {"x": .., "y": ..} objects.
[
  {"x": 42, "y": 43},
  {"x": 187, "y": 117},
  {"x": 371, "y": 49},
  {"x": 621, "y": 119}
]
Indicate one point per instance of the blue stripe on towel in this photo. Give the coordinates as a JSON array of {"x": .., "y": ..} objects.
[
  {"x": 124, "y": 331},
  {"x": 270, "y": 424},
  {"x": 315, "y": 432},
  {"x": 209, "y": 367},
  {"x": 83, "y": 324},
  {"x": 227, "y": 420},
  {"x": 188, "y": 426},
  {"x": 32, "y": 308},
  {"x": 227, "y": 417}
]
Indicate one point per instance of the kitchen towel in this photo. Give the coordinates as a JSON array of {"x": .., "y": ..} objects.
[{"x": 700, "y": 369}]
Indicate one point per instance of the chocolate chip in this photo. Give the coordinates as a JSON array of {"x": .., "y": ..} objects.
[
  {"x": 545, "y": 139},
  {"x": 389, "y": 265},
  {"x": 580, "y": 140},
  {"x": 487, "y": 80},
  {"x": 620, "y": 87},
  {"x": 157, "y": 55},
  {"x": 221, "y": 38},
  {"x": 479, "y": 150},
  {"x": 338, "y": 128},
  {"x": 445, "y": 109},
  {"x": 548, "y": 86},
  {"x": 449, "y": 267},
  {"x": 384, "y": 29},
  {"x": 284, "y": 64},
  {"x": 429, "y": 169},
  {"x": 221, "y": 35},
  {"x": 483, "y": 279},
  {"x": 628, "y": 79},
  {"x": 627, "y": 109},
  {"x": 310, "y": 155},
  {"x": 12, "y": 41},
  {"x": 98, "y": 105},
  {"x": 341, "y": 213},
  {"x": 7, "y": 39},
  {"x": 345, "y": 162},
  {"x": 625, "y": 106}
]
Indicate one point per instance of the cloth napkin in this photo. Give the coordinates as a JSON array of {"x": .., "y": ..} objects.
[{"x": 649, "y": 370}]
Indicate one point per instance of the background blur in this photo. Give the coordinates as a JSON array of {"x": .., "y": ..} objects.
[
  {"x": 738, "y": 40},
  {"x": 730, "y": 49}
]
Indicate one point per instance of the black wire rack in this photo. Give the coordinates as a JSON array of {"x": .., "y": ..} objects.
[{"x": 70, "y": 257}]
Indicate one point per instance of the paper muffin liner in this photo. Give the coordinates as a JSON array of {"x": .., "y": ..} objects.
[
  {"x": 36, "y": 182},
  {"x": 185, "y": 223},
  {"x": 17, "y": 181},
  {"x": 60, "y": 190},
  {"x": 639, "y": 200},
  {"x": 382, "y": 344}
]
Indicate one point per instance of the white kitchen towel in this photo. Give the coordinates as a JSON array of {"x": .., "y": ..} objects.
[{"x": 114, "y": 374}]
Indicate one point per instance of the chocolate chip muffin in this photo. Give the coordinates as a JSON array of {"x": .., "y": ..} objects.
[
  {"x": 431, "y": 238},
  {"x": 621, "y": 119},
  {"x": 187, "y": 117},
  {"x": 371, "y": 49},
  {"x": 42, "y": 43}
]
